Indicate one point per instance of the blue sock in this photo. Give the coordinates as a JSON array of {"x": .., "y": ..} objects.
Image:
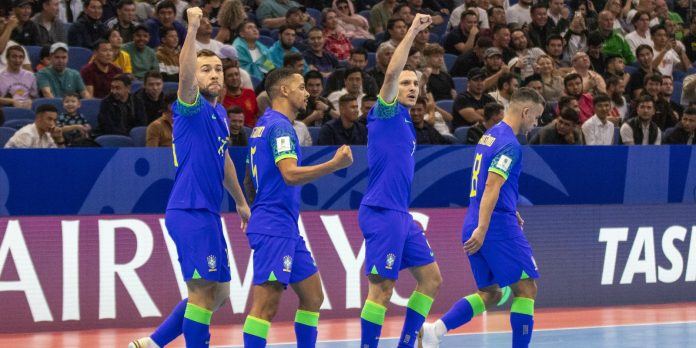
[
  {"x": 371, "y": 321},
  {"x": 170, "y": 327},
  {"x": 255, "y": 332},
  {"x": 196, "y": 326},
  {"x": 306, "y": 328},
  {"x": 463, "y": 310},
  {"x": 522, "y": 321},
  {"x": 417, "y": 310}
]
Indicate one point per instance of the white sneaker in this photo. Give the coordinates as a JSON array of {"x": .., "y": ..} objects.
[
  {"x": 143, "y": 342},
  {"x": 430, "y": 339}
]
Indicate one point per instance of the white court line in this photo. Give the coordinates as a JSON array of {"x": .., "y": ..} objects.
[{"x": 504, "y": 332}]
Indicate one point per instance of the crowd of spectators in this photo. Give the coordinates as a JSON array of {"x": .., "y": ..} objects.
[{"x": 611, "y": 71}]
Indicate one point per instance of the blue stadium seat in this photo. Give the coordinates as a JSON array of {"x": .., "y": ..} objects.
[
  {"x": 316, "y": 14},
  {"x": 90, "y": 109},
  {"x": 630, "y": 69},
  {"x": 460, "y": 134},
  {"x": 691, "y": 70},
  {"x": 449, "y": 60},
  {"x": 12, "y": 113},
  {"x": 434, "y": 38},
  {"x": 365, "y": 13},
  {"x": 441, "y": 29},
  {"x": 617, "y": 136},
  {"x": 357, "y": 42},
  {"x": 170, "y": 87},
  {"x": 136, "y": 85},
  {"x": 445, "y": 104},
  {"x": 138, "y": 134},
  {"x": 17, "y": 124},
  {"x": 676, "y": 95},
  {"x": 5, "y": 134},
  {"x": 114, "y": 141},
  {"x": 78, "y": 57},
  {"x": 266, "y": 40},
  {"x": 314, "y": 133},
  {"x": 57, "y": 102},
  {"x": 34, "y": 53},
  {"x": 460, "y": 84},
  {"x": 678, "y": 75},
  {"x": 379, "y": 37},
  {"x": 532, "y": 133},
  {"x": 255, "y": 81},
  {"x": 215, "y": 32},
  {"x": 251, "y": 16},
  {"x": 265, "y": 31},
  {"x": 371, "y": 60}
]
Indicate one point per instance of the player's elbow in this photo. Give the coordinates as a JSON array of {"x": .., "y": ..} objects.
[{"x": 291, "y": 179}]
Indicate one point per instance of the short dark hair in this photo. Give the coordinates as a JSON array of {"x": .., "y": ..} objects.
[
  {"x": 369, "y": 97},
  {"x": 17, "y": 48},
  {"x": 315, "y": 29},
  {"x": 484, "y": 42},
  {"x": 499, "y": 27},
  {"x": 564, "y": 102},
  {"x": 313, "y": 74},
  {"x": 600, "y": 98},
  {"x": 643, "y": 47},
  {"x": 285, "y": 27},
  {"x": 690, "y": 111},
  {"x": 419, "y": 100},
  {"x": 235, "y": 109},
  {"x": 346, "y": 98},
  {"x": 553, "y": 37},
  {"x": 291, "y": 58},
  {"x": 123, "y": 78},
  {"x": 392, "y": 22},
  {"x": 120, "y": 3},
  {"x": 569, "y": 114},
  {"x": 163, "y": 31},
  {"x": 467, "y": 13},
  {"x": 399, "y": 6},
  {"x": 152, "y": 74},
  {"x": 491, "y": 9},
  {"x": 614, "y": 80},
  {"x": 527, "y": 95},
  {"x": 141, "y": 27},
  {"x": 358, "y": 50},
  {"x": 637, "y": 16},
  {"x": 46, "y": 108},
  {"x": 99, "y": 43},
  {"x": 571, "y": 77},
  {"x": 492, "y": 109},
  {"x": 70, "y": 95},
  {"x": 645, "y": 98},
  {"x": 352, "y": 70},
  {"x": 654, "y": 29},
  {"x": 654, "y": 77},
  {"x": 165, "y": 4},
  {"x": 532, "y": 78},
  {"x": 537, "y": 6},
  {"x": 274, "y": 78},
  {"x": 595, "y": 39},
  {"x": 505, "y": 78}
]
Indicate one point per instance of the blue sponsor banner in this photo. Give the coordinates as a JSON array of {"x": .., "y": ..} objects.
[{"x": 138, "y": 180}]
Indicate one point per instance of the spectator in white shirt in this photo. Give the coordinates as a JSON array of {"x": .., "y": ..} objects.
[
  {"x": 519, "y": 13},
  {"x": 640, "y": 36},
  {"x": 42, "y": 134},
  {"x": 669, "y": 53},
  {"x": 598, "y": 130}
]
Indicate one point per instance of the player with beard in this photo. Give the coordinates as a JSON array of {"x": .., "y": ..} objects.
[
  {"x": 204, "y": 167},
  {"x": 273, "y": 182},
  {"x": 499, "y": 254}
]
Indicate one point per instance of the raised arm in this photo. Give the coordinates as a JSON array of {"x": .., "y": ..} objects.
[
  {"x": 390, "y": 88},
  {"x": 188, "y": 84}
]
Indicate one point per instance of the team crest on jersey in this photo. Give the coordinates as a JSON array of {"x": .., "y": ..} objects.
[
  {"x": 287, "y": 263},
  {"x": 390, "y": 261},
  {"x": 257, "y": 132},
  {"x": 212, "y": 263}
]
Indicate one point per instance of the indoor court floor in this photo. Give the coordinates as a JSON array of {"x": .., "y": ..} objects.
[{"x": 672, "y": 325}]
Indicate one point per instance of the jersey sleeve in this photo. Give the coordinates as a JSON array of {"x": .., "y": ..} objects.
[
  {"x": 504, "y": 160},
  {"x": 185, "y": 109},
  {"x": 281, "y": 139},
  {"x": 384, "y": 110}
]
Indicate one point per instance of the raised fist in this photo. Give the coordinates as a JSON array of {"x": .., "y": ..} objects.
[{"x": 194, "y": 15}]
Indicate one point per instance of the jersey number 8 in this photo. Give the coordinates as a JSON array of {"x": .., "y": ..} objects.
[{"x": 474, "y": 174}]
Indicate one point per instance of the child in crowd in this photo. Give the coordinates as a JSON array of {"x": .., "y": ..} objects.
[{"x": 74, "y": 125}]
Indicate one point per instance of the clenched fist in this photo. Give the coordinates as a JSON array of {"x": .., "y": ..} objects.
[
  {"x": 194, "y": 15},
  {"x": 343, "y": 157}
]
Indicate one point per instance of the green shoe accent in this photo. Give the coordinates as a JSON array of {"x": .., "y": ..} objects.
[
  {"x": 374, "y": 270},
  {"x": 522, "y": 305},
  {"x": 373, "y": 312},
  {"x": 198, "y": 314},
  {"x": 506, "y": 295},
  {"x": 307, "y": 318},
  {"x": 257, "y": 327},
  {"x": 196, "y": 275},
  {"x": 420, "y": 303},
  {"x": 476, "y": 303},
  {"x": 272, "y": 277}
]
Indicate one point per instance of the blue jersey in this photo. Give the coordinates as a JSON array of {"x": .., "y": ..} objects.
[
  {"x": 276, "y": 207},
  {"x": 499, "y": 152},
  {"x": 199, "y": 142},
  {"x": 391, "y": 142}
]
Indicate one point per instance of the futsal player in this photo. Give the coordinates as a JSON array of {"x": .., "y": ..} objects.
[
  {"x": 393, "y": 240},
  {"x": 275, "y": 175},
  {"x": 193, "y": 212},
  {"x": 498, "y": 251}
]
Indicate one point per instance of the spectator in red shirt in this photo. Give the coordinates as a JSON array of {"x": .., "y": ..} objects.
[
  {"x": 573, "y": 87},
  {"x": 235, "y": 95},
  {"x": 98, "y": 74},
  {"x": 335, "y": 42}
]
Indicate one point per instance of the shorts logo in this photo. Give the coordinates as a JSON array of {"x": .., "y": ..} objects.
[
  {"x": 287, "y": 263},
  {"x": 390, "y": 260},
  {"x": 212, "y": 263}
]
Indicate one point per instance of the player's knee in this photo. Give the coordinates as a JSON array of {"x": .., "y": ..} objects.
[
  {"x": 312, "y": 303},
  {"x": 222, "y": 295},
  {"x": 491, "y": 297},
  {"x": 526, "y": 288}
]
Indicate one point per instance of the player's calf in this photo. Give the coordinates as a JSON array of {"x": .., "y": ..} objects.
[{"x": 522, "y": 312}]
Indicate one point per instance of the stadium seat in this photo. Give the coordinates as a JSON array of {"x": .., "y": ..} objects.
[
  {"x": 266, "y": 40},
  {"x": 441, "y": 29},
  {"x": 5, "y": 134},
  {"x": 460, "y": 83},
  {"x": 678, "y": 75},
  {"x": 57, "y": 102},
  {"x": 114, "y": 141},
  {"x": 445, "y": 104},
  {"x": 78, "y": 57},
  {"x": 136, "y": 85},
  {"x": 314, "y": 133},
  {"x": 357, "y": 42},
  {"x": 12, "y": 113},
  {"x": 215, "y": 32},
  {"x": 677, "y": 93},
  {"x": 170, "y": 87},
  {"x": 17, "y": 124},
  {"x": 434, "y": 38},
  {"x": 255, "y": 82},
  {"x": 90, "y": 109},
  {"x": 34, "y": 53},
  {"x": 365, "y": 13},
  {"x": 449, "y": 60},
  {"x": 460, "y": 134},
  {"x": 630, "y": 69},
  {"x": 617, "y": 136},
  {"x": 371, "y": 60},
  {"x": 316, "y": 14},
  {"x": 138, "y": 134},
  {"x": 379, "y": 37},
  {"x": 691, "y": 70}
]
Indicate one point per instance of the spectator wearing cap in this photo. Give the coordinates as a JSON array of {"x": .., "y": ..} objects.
[
  {"x": 336, "y": 42},
  {"x": 41, "y": 134},
  {"x": 473, "y": 58},
  {"x": 519, "y": 13},
  {"x": 562, "y": 131},
  {"x": 573, "y": 85},
  {"x": 25, "y": 31},
  {"x": 507, "y": 85},
  {"x": 98, "y": 74},
  {"x": 57, "y": 79},
  {"x": 684, "y": 132},
  {"x": 119, "y": 112},
  {"x": 380, "y": 15},
  {"x": 612, "y": 40},
  {"x": 259, "y": 63},
  {"x": 273, "y": 13},
  {"x": 467, "y": 109},
  {"x": 383, "y": 56},
  {"x": 88, "y": 28},
  {"x": 143, "y": 58},
  {"x": 7, "y": 25},
  {"x": 440, "y": 83},
  {"x": 51, "y": 28},
  {"x": 150, "y": 97},
  {"x": 598, "y": 130},
  {"x": 493, "y": 68},
  {"x": 316, "y": 57},
  {"x": 345, "y": 130},
  {"x": 167, "y": 55},
  {"x": 592, "y": 82},
  {"x": 165, "y": 17},
  {"x": 285, "y": 44},
  {"x": 204, "y": 38},
  {"x": 541, "y": 27},
  {"x": 17, "y": 86},
  {"x": 125, "y": 20},
  {"x": 425, "y": 133},
  {"x": 492, "y": 114},
  {"x": 642, "y": 130},
  {"x": 159, "y": 132},
  {"x": 462, "y": 38},
  {"x": 237, "y": 95}
]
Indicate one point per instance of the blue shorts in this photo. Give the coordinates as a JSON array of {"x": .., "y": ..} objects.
[
  {"x": 197, "y": 234},
  {"x": 503, "y": 262},
  {"x": 285, "y": 260},
  {"x": 393, "y": 241}
]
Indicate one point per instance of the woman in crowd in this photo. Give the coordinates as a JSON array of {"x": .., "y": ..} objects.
[
  {"x": 335, "y": 42},
  {"x": 351, "y": 24},
  {"x": 553, "y": 84},
  {"x": 230, "y": 16}
]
